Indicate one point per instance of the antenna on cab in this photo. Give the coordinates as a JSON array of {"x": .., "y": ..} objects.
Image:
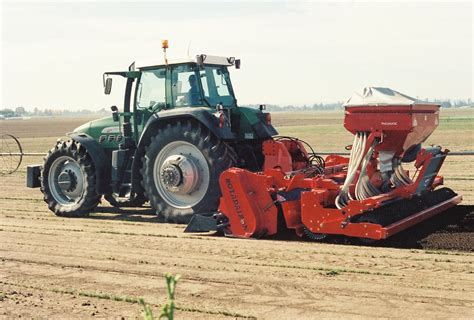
[{"x": 189, "y": 47}]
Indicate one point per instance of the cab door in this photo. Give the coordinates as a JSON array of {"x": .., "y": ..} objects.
[{"x": 150, "y": 97}]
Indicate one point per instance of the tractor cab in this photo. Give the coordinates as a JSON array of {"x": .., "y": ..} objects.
[
  {"x": 203, "y": 82},
  {"x": 185, "y": 84}
]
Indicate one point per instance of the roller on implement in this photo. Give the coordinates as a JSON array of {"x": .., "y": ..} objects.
[{"x": 370, "y": 195}]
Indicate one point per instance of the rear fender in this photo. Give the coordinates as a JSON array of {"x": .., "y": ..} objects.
[
  {"x": 201, "y": 115},
  {"x": 99, "y": 158}
]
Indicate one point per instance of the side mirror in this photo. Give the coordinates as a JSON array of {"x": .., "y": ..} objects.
[
  {"x": 237, "y": 64},
  {"x": 108, "y": 85}
]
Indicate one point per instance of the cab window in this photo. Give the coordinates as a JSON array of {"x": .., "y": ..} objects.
[
  {"x": 185, "y": 86},
  {"x": 151, "y": 90},
  {"x": 216, "y": 83}
]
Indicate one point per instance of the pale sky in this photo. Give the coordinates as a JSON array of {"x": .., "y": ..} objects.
[{"x": 54, "y": 53}]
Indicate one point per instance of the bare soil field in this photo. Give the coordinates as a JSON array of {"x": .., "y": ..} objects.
[{"x": 97, "y": 267}]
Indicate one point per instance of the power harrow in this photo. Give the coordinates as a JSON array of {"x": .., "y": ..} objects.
[{"x": 369, "y": 195}]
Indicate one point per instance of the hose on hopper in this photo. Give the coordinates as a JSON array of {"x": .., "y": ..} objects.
[
  {"x": 364, "y": 188},
  {"x": 355, "y": 159}
]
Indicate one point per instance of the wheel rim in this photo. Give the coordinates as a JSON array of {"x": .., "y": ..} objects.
[
  {"x": 66, "y": 181},
  {"x": 181, "y": 174}
]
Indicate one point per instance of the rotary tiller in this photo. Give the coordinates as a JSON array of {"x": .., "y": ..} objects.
[{"x": 368, "y": 195}]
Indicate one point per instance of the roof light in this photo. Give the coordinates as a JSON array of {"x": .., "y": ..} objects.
[{"x": 164, "y": 45}]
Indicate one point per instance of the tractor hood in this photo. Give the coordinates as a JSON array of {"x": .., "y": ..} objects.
[
  {"x": 96, "y": 127},
  {"x": 83, "y": 128}
]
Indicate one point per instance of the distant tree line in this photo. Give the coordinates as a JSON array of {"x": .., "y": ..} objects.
[
  {"x": 453, "y": 103},
  {"x": 289, "y": 108},
  {"x": 445, "y": 103},
  {"x": 36, "y": 112}
]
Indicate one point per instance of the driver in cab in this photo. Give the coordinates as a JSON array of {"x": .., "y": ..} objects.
[{"x": 193, "y": 96}]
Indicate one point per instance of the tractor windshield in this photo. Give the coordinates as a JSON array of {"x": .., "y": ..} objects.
[
  {"x": 151, "y": 90},
  {"x": 216, "y": 86}
]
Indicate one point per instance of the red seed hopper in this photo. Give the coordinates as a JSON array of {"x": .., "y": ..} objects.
[{"x": 387, "y": 184}]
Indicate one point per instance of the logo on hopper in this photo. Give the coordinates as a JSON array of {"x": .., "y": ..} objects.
[
  {"x": 389, "y": 123},
  {"x": 235, "y": 202}
]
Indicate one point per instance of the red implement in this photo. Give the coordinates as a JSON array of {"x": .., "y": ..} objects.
[{"x": 367, "y": 195}]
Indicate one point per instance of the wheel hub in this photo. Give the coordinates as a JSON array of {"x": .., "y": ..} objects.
[
  {"x": 171, "y": 176},
  {"x": 67, "y": 181},
  {"x": 180, "y": 174}
]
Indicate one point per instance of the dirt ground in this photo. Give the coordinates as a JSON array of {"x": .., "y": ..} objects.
[{"x": 98, "y": 267}]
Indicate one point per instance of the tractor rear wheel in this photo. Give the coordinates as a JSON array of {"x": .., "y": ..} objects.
[
  {"x": 69, "y": 181},
  {"x": 181, "y": 170}
]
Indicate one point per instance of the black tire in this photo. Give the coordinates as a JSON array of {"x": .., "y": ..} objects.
[
  {"x": 218, "y": 157},
  {"x": 88, "y": 198},
  {"x": 138, "y": 200}
]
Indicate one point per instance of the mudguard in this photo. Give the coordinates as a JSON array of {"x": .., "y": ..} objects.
[
  {"x": 200, "y": 114},
  {"x": 99, "y": 158},
  {"x": 262, "y": 130}
]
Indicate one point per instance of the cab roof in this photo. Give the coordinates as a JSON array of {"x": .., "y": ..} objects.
[{"x": 206, "y": 60}]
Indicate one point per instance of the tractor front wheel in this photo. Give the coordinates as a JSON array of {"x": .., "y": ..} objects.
[
  {"x": 181, "y": 170},
  {"x": 69, "y": 181}
]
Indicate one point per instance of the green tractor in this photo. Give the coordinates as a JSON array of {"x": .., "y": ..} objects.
[{"x": 179, "y": 129}]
